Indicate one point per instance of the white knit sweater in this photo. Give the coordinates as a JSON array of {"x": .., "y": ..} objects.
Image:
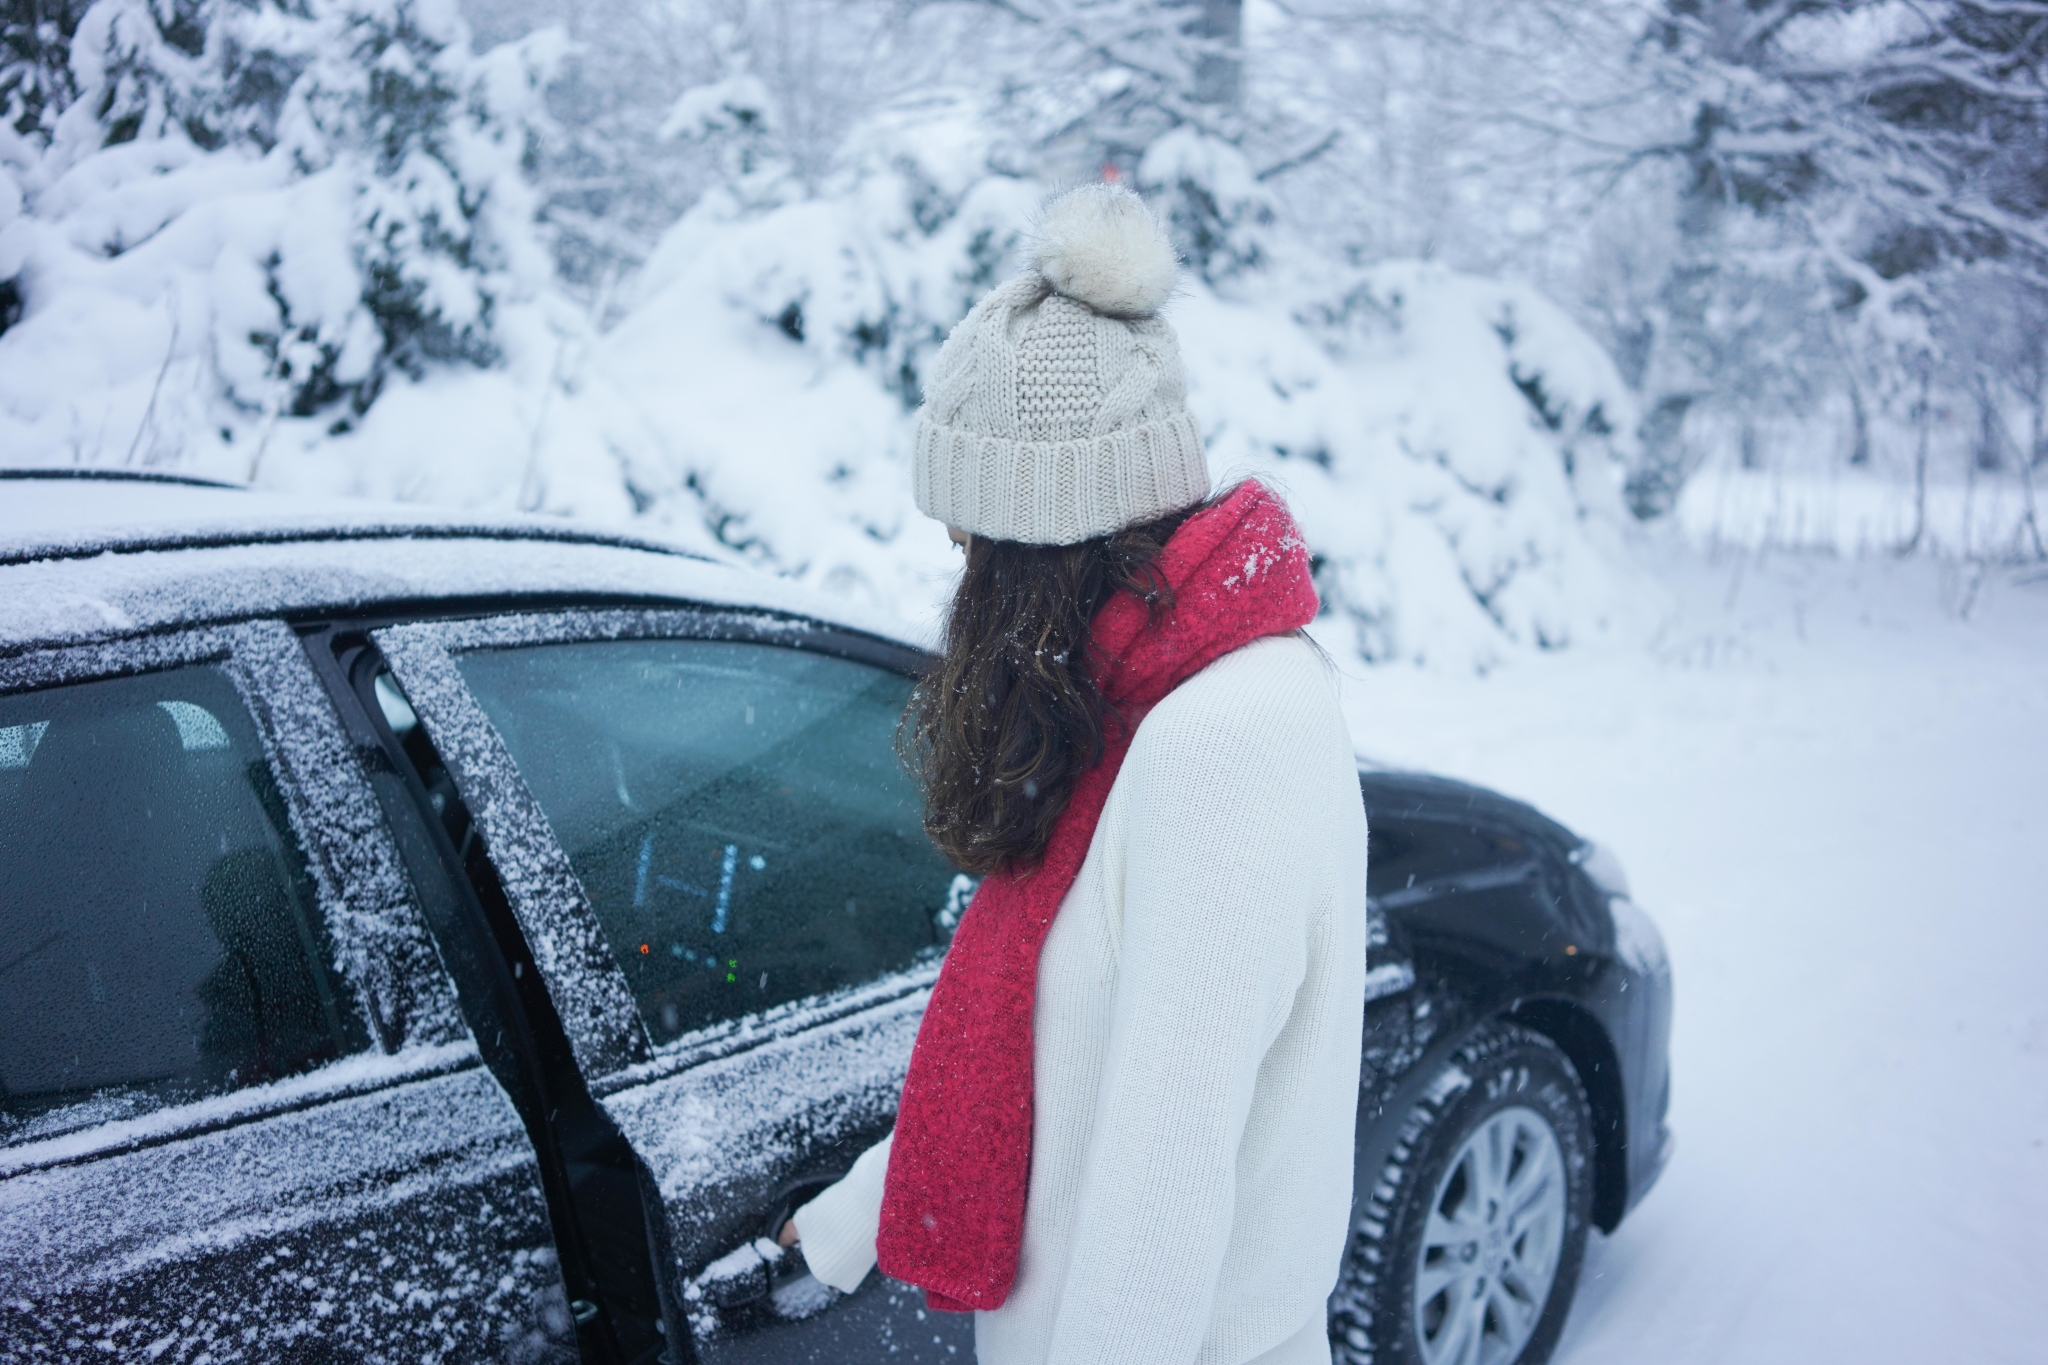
[{"x": 1200, "y": 1003}]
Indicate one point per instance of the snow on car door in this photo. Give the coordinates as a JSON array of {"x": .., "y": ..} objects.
[
  {"x": 704, "y": 831},
  {"x": 242, "y": 1118}
]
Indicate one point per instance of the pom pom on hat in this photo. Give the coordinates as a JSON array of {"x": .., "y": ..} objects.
[
  {"x": 1057, "y": 409},
  {"x": 1100, "y": 245}
]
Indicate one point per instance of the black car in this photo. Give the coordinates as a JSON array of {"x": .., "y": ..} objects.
[{"x": 433, "y": 940}]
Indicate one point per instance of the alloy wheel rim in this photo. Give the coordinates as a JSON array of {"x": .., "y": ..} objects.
[{"x": 1491, "y": 1244}]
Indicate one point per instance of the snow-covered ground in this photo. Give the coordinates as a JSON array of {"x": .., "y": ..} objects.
[{"x": 1831, "y": 789}]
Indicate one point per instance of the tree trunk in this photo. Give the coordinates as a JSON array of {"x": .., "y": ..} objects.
[
  {"x": 1919, "y": 473},
  {"x": 2032, "y": 457},
  {"x": 1859, "y": 446},
  {"x": 2029, "y": 519},
  {"x": 1219, "y": 76},
  {"x": 1990, "y": 454},
  {"x": 2037, "y": 452},
  {"x": 1653, "y": 486}
]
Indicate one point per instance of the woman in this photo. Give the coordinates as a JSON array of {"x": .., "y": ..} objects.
[{"x": 1126, "y": 1131}]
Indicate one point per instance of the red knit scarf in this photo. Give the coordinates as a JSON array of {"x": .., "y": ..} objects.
[{"x": 953, "y": 1206}]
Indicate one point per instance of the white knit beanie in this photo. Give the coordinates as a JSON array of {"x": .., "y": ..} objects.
[{"x": 1057, "y": 410}]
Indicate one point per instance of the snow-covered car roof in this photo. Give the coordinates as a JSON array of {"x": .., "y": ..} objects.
[{"x": 86, "y": 559}]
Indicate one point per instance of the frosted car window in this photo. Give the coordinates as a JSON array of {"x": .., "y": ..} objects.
[
  {"x": 161, "y": 940},
  {"x": 735, "y": 812}
]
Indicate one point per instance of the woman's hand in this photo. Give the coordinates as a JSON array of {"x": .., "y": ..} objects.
[{"x": 787, "y": 1237}]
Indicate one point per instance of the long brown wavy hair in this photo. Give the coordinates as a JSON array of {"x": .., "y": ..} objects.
[{"x": 1009, "y": 717}]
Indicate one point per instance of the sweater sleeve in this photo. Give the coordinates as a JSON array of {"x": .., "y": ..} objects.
[
  {"x": 1223, "y": 871},
  {"x": 837, "y": 1229}
]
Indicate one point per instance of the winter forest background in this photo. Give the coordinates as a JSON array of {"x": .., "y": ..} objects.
[
  {"x": 1492, "y": 287},
  {"x": 1668, "y": 378}
]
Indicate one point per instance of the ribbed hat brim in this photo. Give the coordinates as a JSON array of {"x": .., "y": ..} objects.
[{"x": 1058, "y": 492}]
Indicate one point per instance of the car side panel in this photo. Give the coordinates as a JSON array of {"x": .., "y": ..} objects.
[{"x": 401, "y": 1224}]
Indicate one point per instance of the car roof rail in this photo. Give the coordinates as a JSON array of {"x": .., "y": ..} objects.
[{"x": 99, "y": 475}]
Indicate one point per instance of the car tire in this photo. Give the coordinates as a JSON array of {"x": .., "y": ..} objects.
[{"x": 1430, "y": 1225}]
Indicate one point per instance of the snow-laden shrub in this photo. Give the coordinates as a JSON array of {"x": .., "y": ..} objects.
[
  {"x": 1217, "y": 210},
  {"x": 251, "y": 219},
  {"x": 1454, "y": 446},
  {"x": 305, "y": 233},
  {"x": 763, "y": 381}
]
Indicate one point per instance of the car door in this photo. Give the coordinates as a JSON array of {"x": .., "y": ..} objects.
[
  {"x": 702, "y": 827},
  {"x": 241, "y": 1116}
]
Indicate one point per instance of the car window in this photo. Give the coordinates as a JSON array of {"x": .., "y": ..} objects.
[
  {"x": 159, "y": 935},
  {"x": 1407, "y": 854},
  {"x": 735, "y": 812}
]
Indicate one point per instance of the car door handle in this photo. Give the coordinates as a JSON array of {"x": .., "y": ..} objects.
[
  {"x": 756, "y": 1282},
  {"x": 761, "y": 1276},
  {"x": 742, "y": 1276}
]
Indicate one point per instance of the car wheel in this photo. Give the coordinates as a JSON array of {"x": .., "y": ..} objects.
[{"x": 1468, "y": 1250}]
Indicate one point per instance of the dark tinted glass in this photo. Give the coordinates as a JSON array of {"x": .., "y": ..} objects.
[
  {"x": 158, "y": 933},
  {"x": 1410, "y": 854},
  {"x": 736, "y": 813}
]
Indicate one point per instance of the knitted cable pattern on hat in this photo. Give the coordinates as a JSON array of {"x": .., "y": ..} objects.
[{"x": 1057, "y": 410}]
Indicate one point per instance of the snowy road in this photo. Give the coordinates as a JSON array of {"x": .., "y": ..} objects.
[{"x": 1832, "y": 792}]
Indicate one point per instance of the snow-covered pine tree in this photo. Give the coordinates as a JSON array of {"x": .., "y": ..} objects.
[
  {"x": 430, "y": 141},
  {"x": 287, "y": 202},
  {"x": 609, "y": 181},
  {"x": 35, "y": 73},
  {"x": 1153, "y": 91}
]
